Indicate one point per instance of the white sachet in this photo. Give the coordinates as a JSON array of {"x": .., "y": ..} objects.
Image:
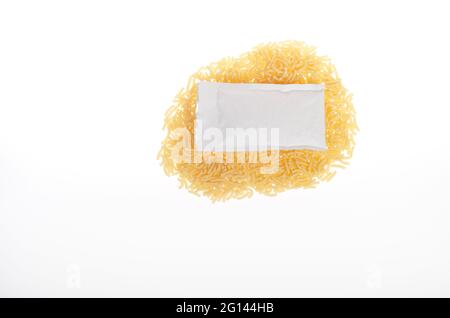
[{"x": 257, "y": 117}]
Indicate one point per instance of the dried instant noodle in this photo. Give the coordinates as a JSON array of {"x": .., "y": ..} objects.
[{"x": 288, "y": 62}]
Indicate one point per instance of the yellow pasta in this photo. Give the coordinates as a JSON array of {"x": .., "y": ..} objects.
[{"x": 288, "y": 62}]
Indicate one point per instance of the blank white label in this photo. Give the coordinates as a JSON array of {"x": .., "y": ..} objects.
[{"x": 294, "y": 112}]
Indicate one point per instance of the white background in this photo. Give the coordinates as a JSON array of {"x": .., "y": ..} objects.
[{"x": 86, "y": 210}]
